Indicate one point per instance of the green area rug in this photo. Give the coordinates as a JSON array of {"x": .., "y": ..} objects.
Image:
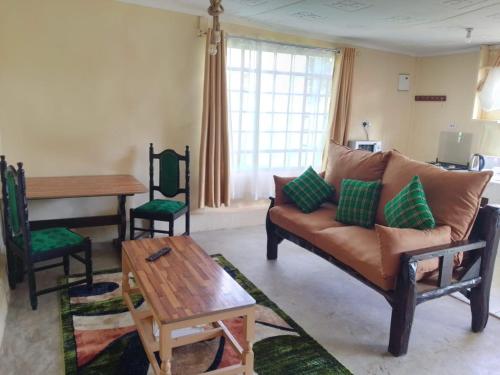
[{"x": 99, "y": 336}]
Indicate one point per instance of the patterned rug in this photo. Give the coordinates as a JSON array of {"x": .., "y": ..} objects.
[{"x": 99, "y": 336}]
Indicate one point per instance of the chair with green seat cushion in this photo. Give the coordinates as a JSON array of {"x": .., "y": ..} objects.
[
  {"x": 169, "y": 185},
  {"x": 26, "y": 247}
]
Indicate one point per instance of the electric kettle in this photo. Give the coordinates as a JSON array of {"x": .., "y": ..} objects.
[{"x": 476, "y": 162}]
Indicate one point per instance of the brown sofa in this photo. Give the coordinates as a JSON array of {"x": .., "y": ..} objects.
[{"x": 406, "y": 266}]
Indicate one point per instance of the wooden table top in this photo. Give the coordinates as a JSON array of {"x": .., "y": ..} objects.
[
  {"x": 184, "y": 284},
  {"x": 82, "y": 186}
]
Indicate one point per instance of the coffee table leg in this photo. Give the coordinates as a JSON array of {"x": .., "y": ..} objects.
[
  {"x": 165, "y": 350},
  {"x": 249, "y": 334},
  {"x": 125, "y": 273}
]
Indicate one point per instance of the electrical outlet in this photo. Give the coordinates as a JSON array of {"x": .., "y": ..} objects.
[
  {"x": 365, "y": 124},
  {"x": 452, "y": 126}
]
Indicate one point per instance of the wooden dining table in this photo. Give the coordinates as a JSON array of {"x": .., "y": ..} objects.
[{"x": 120, "y": 186}]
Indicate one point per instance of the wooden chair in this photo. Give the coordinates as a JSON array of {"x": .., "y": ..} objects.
[
  {"x": 167, "y": 210},
  {"x": 25, "y": 248}
]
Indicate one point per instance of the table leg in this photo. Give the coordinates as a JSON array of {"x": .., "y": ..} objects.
[
  {"x": 122, "y": 225},
  {"x": 165, "y": 350},
  {"x": 249, "y": 336},
  {"x": 125, "y": 275}
]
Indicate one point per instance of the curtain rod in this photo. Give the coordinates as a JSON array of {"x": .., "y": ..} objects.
[{"x": 336, "y": 50}]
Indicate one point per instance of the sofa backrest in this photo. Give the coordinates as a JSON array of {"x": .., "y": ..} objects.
[
  {"x": 453, "y": 197},
  {"x": 344, "y": 162}
]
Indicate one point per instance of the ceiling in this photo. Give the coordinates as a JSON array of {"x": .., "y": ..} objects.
[{"x": 415, "y": 27}]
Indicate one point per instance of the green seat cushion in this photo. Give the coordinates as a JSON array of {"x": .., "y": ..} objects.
[
  {"x": 309, "y": 190},
  {"x": 358, "y": 202},
  {"x": 160, "y": 206},
  {"x": 409, "y": 209},
  {"x": 51, "y": 239}
]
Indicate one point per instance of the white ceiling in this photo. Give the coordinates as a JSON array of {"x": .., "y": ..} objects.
[{"x": 415, "y": 27}]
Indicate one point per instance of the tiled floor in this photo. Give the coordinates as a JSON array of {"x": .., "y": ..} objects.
[{"x": 347, "y": 318}]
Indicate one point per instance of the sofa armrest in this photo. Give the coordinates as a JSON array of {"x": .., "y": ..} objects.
[{"x": 442, "y": 250}]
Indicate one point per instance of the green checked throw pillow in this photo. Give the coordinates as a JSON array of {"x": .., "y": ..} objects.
[
  {"x": 409, "y": 209},
  {"x": 308, "y": 191},
  {"x": 358, "y": 202}
]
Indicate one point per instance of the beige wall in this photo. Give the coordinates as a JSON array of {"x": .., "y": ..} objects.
[
  {"x": 454, "y": 76},
  {"x": 375, "y": 97},
  {"x": 86, "y": 85}
]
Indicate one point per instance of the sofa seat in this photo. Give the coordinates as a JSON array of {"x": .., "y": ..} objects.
[
  {"x": 290, "y": 218},
  {"x": 357, "y": 248}
]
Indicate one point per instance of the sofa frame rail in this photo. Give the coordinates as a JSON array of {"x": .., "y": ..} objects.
[{"x": 473, "y": 279}]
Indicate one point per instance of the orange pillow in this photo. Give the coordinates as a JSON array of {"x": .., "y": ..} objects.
[
  {"x": 453, "y": 197},
  {"x": 344, "y": 162},
  {"x": 395, "y": 241}
]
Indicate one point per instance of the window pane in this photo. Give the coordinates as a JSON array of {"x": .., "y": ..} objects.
[
  {"x": 266, "y": 103},
  {"x": 282, "y": 83},
  {"x": 295, "y": 123},
  {"x": 292, "y": 160},
  {"x": 249, "y": 102},
  {"x": 280, "y": 103},
  {"x": 235, "y": 101},
  {"x": 299, "y": 63},
  {"x": 250, "y": 59},
  {"x": 264, "y": 160},
  {"x": 279, "y": 122},
  {"x": 267, "y": 82},
  {"x": 267, "y": 60},
  {"x": 293, "y": 141},
  {"x": 266, "y": 122},
  {"x": 298, "y": 84},
  {"x": 247, "y": 121},
  {"x": 277, "y": 160},
  {"x": 297, "y": 105},
  {"x": 264, "y": 141},
  {"x": 234, "y": 57},
  {"x": 247, "y": 141},
  {"x": 283, "y": 62},
  {"x": 234, "y": 80},
  {"x": 249, "y": 81}
]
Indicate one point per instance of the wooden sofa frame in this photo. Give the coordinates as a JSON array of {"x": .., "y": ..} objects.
[{"x": 473, "y": 281}]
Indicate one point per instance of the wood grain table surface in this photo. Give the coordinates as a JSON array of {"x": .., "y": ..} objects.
[
  {"x": 184, "y": 284},
  {"x": 82, "y": 186}
]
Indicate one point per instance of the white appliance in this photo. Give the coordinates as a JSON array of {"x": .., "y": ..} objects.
[{"x": 372, "y": 146}]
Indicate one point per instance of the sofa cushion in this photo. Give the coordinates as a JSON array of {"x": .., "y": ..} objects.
[
  {"x": 357, "y": 248},
  {"x": 358, "y": 202},
  {"x": 395, "y": 241},
  {"x": 453, "y": 197},
  {"x": 290, "y": 218},
  {"x": 308, "y": 191},
  {"x": 344, "y": 162},
  {"x": 409, "y": 209},
  {"x": 280, "y": 196}
]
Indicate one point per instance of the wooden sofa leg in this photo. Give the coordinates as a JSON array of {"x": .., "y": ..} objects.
[
  {"x": 403, "y": 310},
  {"x": 272, "y": 240},
  {"x": 479, "y": 306}
]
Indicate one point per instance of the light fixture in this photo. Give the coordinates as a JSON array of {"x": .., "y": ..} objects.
[
  {"x": 468, "y": 35},
  {"x": 215, "y": 10}
]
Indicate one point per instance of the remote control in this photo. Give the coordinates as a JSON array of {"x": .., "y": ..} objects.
[{"x": 158, "y": 254}]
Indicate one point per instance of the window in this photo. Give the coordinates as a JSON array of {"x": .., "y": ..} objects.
[{"x": 279, "y": 101}]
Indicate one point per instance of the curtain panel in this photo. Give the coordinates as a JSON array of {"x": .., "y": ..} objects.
[
  {"x": 487, "y": 104},
  {"x": 214, "y": 148},
  {"x": 341, "y": 97}
]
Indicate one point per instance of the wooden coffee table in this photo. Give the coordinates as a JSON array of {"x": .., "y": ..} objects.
[{"x": 183, "y": 289}]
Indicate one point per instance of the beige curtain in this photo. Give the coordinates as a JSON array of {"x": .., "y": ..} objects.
[
  {"x": 341, "y": 95},
  {"x": 214, "y": 149},
  {"x": 489, "y": 58}
]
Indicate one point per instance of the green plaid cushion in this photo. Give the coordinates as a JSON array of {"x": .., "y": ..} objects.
[
  {"x": 308, "y": 191},
  {"x": 358, "y": 202},
  {"x": 409, "y": 209}
]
